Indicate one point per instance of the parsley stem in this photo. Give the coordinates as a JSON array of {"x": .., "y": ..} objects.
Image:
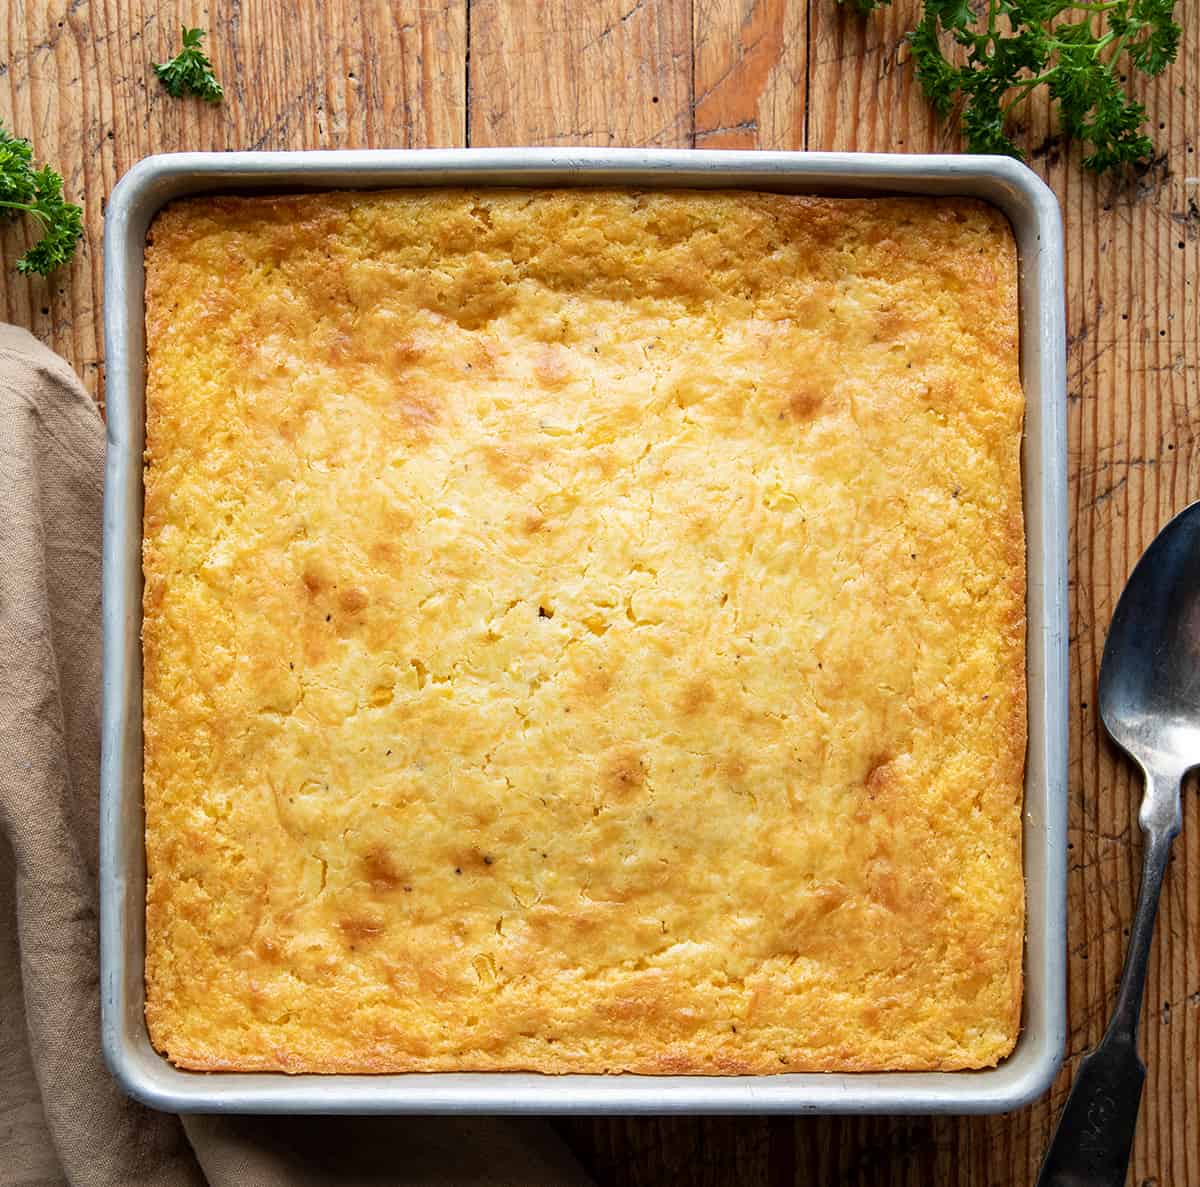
[
  {"x": 36, "y": 211},
  {"x": 1119, "y": 47},
  {"x": 1023, "y": 87}
]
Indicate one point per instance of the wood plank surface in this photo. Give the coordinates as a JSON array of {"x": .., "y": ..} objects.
[
  {"x": 603, "y": 73},
  {"x": 749, "y": 74},
  {"x": 74, "y": 76}
]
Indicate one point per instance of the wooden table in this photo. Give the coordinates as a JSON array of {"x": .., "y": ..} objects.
[{"x": 74, "y": 76}]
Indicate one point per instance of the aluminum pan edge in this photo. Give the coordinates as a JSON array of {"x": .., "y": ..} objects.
[{"x": 1034, "y": 214}]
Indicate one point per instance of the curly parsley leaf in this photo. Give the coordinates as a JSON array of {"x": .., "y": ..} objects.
[
  {"x": 938, "y": 79},
  {"x": 1155, "y": 36},
  {"x": 37, "y": 193},
  {"x": 190, "y": 71},
  {"x": 1080, "y": 50}
]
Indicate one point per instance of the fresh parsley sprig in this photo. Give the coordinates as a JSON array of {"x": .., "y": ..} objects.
[
  {"x": 190, "y": 71},
  {"x": 1080, "y": 50},
  {"x": 39, "y": 194}
]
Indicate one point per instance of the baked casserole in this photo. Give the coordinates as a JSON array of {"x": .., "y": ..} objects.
[{"x": 583, "y": 632}]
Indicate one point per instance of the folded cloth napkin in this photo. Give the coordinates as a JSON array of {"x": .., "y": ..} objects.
[{"x": 62, "y": 1119}]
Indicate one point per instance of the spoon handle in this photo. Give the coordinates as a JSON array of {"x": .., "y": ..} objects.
[{"x": 1095, "y": 1132}]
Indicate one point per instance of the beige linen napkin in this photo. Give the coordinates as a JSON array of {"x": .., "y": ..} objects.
[{"x": 62, "y": 1119}]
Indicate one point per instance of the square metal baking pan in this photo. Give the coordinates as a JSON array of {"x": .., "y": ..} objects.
[{"x": 1033, "y": 212}]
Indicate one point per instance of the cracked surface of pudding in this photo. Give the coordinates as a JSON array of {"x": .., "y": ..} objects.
[{"x": 583, "y": 631}]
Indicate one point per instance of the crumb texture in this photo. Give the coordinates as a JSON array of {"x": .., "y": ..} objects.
[{"x": 584, "y": 631}]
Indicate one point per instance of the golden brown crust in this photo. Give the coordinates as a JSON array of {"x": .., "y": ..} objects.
[{"x": 584, "y": 631}]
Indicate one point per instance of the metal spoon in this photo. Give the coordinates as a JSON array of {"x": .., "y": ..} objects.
[{"x": 1150, "y": 704}]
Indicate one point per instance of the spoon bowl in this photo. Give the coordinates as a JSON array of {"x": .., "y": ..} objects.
[{"x": 1150, "y": 671}]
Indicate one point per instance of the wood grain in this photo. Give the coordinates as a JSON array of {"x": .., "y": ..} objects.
[
  {"x": 605, "y": 73},
  {"x": 749, "y": 74},
  {"x": 863, "y": 97},
  {"x": 74, "y": 76}
]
